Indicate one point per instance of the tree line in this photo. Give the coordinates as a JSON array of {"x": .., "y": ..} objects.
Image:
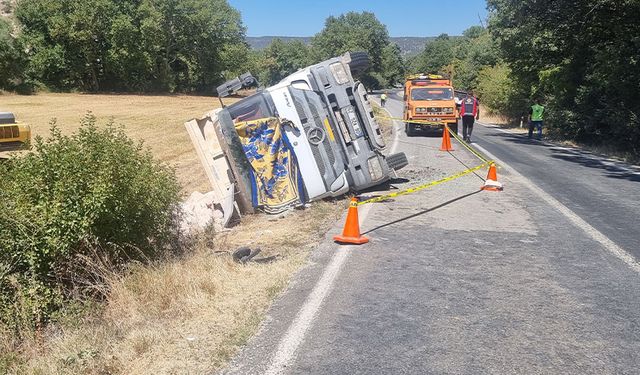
[
  {"x": 166, "y": 46},
  {"x": 348, "y": 32},
  {"x": 113, "y": 45},
  {"x": 582, "y": 59}
]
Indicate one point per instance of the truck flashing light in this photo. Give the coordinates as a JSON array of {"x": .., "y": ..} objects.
[{"x": 429, "y": 82}]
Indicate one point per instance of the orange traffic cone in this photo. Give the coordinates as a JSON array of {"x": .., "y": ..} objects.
[
  {"x": 446, "y": 140},
  {"x": 492, "y": 184},
  {"x": 351, "y": 231}
]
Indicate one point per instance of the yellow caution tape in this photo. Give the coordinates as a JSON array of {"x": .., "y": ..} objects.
[
  {"x": 466, "y": 145},
  {"x": 424, "y": 186}
]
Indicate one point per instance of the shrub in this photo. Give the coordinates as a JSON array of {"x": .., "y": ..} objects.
[
  {"x": 500, "y": 94},
  {"x": 95, "y": 192}
]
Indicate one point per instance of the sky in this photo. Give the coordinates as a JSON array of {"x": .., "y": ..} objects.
[{"x": 402, "y": 18}]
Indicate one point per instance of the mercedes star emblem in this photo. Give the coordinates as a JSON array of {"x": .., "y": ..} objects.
[{"x": 315, "y": 135}]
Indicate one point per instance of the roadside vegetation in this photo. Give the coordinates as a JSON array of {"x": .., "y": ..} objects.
[
  {"x": 187, "y": 312},
  {"x": 92, "y": 197},
  {"x": 581, "y": 59},
  {"x": 96, "y": 279}
]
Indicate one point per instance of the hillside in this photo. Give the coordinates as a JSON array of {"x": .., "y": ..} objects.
[{"x": 409, "y": 45}]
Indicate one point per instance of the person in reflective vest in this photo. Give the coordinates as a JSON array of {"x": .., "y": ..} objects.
[
  {"x": 383, "y": 98},
  {"x": 536, "y": 116},
  {"x": 469, "y": 111}
]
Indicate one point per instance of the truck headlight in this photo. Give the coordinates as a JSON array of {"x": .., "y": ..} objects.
[
  {"x": 339, "y": 73},
  {"x": 421, "y": 110},
  {"x": 375, "y": 168},
  {"x": 448, "y": 110}
]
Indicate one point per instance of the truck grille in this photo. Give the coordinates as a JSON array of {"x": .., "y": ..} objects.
[
  {"x": 444, "y": 111},
  {"x": 300, "y": 110},
  {"x": 326, "y": 142},
  {"x": 314, "y": 149},
  {"x": 8, "y": 132}
]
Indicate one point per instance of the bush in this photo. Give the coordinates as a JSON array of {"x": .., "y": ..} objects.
[
  {"x": 500, "y": 94},
  {"x": 94, "y": 193}
]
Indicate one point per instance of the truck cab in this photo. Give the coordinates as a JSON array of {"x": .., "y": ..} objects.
[{"x": 429, "y": 103}]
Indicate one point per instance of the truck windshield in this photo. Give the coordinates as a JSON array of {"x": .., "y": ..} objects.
[
  {"x": 251, "y": 108},
  {"x": 424, "y": 93}
]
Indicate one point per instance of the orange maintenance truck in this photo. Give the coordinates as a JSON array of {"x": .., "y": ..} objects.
[{"x": 429, "y": 103}]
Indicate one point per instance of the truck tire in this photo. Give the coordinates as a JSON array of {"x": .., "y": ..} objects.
[
  {"x": 408, "y": 128},
  {"x": 454, "y": 128},
  {"x": 397, "y": 161},
  {"x": 359, "y": 62}
]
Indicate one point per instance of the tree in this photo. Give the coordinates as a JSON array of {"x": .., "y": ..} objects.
[
  {"x": 393, "y": 66},
  {"x": 280, "y": 59},
  {"x": 473, "y": 52},
  {"x": 499, "y": 93},
  {"x": 437, "y": 54},
  {"x": 352, "y": 32},
  {"x": 66, "y": 40},
  {"x": 141, "y": 45},
  {"x": 10, "y": 62},
  {"x": 238, "y": 59},
  {"x": 584, "y": 57}
]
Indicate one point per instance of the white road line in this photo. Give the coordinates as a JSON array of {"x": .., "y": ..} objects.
[
  {"x": 307, "y": 314},
  {"x": 396, "y": 130},
  {"x": 304, "y": 319},
  {"x": 592, "y": 232}
]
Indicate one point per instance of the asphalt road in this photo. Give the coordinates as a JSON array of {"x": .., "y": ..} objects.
[
  {"x": 457, "y": 281},
  {"x": 605, "y": 193}
]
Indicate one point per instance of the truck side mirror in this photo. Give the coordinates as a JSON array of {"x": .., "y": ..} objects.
[{"x": 232, "y": 86}]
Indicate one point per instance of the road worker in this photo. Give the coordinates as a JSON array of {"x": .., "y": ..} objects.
[
  {"x": 536, "y": 115},
  {"x": 383, "y": 98},
  {"x": 469, "y": 111}
]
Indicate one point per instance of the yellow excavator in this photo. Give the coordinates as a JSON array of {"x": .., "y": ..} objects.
[{"x": 13, "y": 135}]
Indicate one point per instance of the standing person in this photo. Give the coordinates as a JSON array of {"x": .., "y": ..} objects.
[
  {"x": 536, "y": 115},
  {"x": 469, "y": 111},
  {"x": 383, "y": 98}
]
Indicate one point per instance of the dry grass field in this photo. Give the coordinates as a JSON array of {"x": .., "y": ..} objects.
[{"x": 158, "y": 120}]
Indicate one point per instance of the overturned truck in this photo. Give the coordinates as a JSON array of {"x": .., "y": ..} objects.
[{"x": 311, "y": 136}]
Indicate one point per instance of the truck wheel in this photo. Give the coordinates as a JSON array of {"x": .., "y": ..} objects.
[
  {"x": 397, "y": 161},
  {"x": 408, "y": 128},
  {"x": 359, "y": 62},
  {"x": 454, "y": 128}
]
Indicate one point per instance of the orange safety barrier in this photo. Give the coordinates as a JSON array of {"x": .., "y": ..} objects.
[
  {"x": 351, "y": 232},
  {"x": 446, "y": 140},
  {"x": 491, "y": 183}
]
